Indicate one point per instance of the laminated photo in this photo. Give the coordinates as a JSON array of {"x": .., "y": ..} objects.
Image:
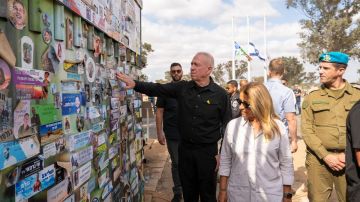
[
  {"x": 22, "y": 121},
  {"x": 79, "y": 140},
  {"x": 81, "y": 175},
  {"x": 90, "y": 69},
  {"x": 18, "y": 150},
  {"x": 59, "y": 192},
  {"x": 6, "y": 118},
  {"x": 5, "y": 75},
  {"x": 80, "y": 157},
  {"x": 54, "y": 148},
  {"x": 71, "y": 103},
  {"x": 27, "y": 52}
]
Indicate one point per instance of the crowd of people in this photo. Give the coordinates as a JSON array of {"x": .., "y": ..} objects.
[{"x": 258, "y": 131}]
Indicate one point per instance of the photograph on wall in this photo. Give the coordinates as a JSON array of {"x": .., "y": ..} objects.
[
  {"x": 90, "y": 69},
  {"x": 80, "y": 157},
  {"x": 71, "y": 104},
  {"x": 60, "y": 50},
  {"x": 49, "y": 61},
  {"x": 22, "y": 120},
  {"x": 69, "y": 33},
  {"x": 18, "y": 150},
  {"x": 81, "y": 175},
  {"x": 47, "y": 35},
  {"x": 78, "y": 141},
  {"x": 54, "y": 148},
  {"x": 97, "y": 45},
  {"x": 59, "y": 192},
  {"x": 50, "y": 132},
  {"x": 27, "y": 52},
  {"x": 5, "y": 75},
  {"x": 70, "y": 86},
  {"x": 17, "y": 13}
]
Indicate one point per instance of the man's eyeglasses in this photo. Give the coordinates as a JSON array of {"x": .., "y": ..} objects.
[
  {"x": 246, "y": 104},
  {"x": 176, "y": 71}
]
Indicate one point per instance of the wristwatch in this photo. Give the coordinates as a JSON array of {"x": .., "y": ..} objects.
[{"x": 288, "y": 195}]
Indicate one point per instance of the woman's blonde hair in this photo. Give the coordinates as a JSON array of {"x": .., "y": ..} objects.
[{"x": 262, "y": 108}]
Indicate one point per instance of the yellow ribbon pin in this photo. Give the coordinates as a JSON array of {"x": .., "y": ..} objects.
[{"x": 208, "y": 101}]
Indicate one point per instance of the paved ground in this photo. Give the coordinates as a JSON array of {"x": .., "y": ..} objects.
[{"x": 159, "y": 186}]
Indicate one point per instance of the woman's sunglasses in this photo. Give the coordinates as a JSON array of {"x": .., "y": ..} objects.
[{"x": 246, "y": 105}]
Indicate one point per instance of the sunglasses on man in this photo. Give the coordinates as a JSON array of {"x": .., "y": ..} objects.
[
  {"x": 176, "y": 71},
  {"x": 246, "y": 104}
]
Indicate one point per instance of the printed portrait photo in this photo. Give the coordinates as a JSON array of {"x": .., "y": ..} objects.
[
  {"x": 17, "y": 13},
  {"x": 27, "y": 52},
  {"x": 47, "y": 35},
  {"x": 5, "y": 75},
  {"x": 69, "y": 33}
]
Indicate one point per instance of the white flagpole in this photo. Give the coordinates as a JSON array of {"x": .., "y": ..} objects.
[
  {"x": 248, "y": 62},
  {"x": 265, "y": 50},
  {"x": 233, "y": 55}
]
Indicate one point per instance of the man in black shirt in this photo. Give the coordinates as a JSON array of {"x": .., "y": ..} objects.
[
  {"x": 232, "y": 89},
  {"x": 203, "y": 112},
  {"x": 352, "y": 154},
  {"x": 297, "y": 92},
  {"x": 167, "y": 111}
]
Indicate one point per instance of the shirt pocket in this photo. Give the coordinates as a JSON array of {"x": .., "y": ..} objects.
[
  {"x": 321, "y": 113},
  {"x": 210, "y": 108}
]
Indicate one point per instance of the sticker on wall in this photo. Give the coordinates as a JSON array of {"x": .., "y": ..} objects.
[
  {"x": 17, "y": 13},
  {"x": 69, "y": 34},
  {"x": 59, "y": 49},
  {"x": 47, "y": 35},
  {"x": 5, "y": 75},
  {"x": 27, "y": 52},
  {"x": 90, "y": 69}
]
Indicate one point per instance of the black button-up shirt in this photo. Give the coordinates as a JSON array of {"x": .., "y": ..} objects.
[
  {"x": 170, "y": 124},
  {"x": 203, "y": 112}
]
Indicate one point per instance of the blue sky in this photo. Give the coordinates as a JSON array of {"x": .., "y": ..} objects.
[{"x": 178, "y": 29}]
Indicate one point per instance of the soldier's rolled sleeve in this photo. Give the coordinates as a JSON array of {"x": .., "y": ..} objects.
[
  {"x": 226, "y": 154},
  {"x": 307, "y": 126}
]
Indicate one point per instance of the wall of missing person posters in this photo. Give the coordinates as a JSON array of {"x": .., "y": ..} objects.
[{"x": 69, "y": 131}]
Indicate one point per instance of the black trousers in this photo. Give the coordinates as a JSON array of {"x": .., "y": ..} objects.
[{"x": 197, "y": 172}]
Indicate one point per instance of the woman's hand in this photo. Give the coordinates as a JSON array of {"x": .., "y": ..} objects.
[{"x": 222, "y": 196}]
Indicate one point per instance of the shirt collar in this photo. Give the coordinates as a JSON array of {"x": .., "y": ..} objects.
[
  {"x": 348, "y": 89},
  {"x": 274, "y": 80},
  {"x": 208, "y": 87}
]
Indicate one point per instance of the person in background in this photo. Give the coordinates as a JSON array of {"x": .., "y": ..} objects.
[
  {"x": 166, "y": 121},
  {"x": 352, "y": 154},
  {"x": 283, "y": 99},
  {"x": 255, "y": 162},
  {"x": 232, "y": 89},
  {"x": 203, "y": 112},
  {"x": 297, "y": 92},
  {"x": 243, "y": 82},
  {"x": 323, "y": 119}
]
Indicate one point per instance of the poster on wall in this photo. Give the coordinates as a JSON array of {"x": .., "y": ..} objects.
[
  {"x": 18, "y": 150},
  {"x": 54, "y": 148},
  {"x": 90, "y": 69},
  {"x": 79, "y": 140},
  {"x": 31, "y": 83},
  {"x": 69, "y": 33},
  {"x": 33, "y": 184},
  {"x": 71, "y": 103},
  {"x": 6, "y": 120},
  {"x": 50, "y": 132},
  {"x": 59, "y": 192},
  {"x": 81, "y": 175},
  {"x": 27, "y": 52}
]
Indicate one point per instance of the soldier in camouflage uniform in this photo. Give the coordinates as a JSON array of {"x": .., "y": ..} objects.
[{"x": 324, "y": 128}]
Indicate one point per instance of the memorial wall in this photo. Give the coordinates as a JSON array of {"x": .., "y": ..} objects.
[{"x": 69, "y": 131}]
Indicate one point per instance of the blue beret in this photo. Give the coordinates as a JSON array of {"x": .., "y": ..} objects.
[{"x": 334, "y": 57}]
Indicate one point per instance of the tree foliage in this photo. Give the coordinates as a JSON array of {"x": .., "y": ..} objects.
[
  {"x": 222, "y": 72},
  {"x": 294, "y": 72},
  {"x": 329, "y": 25},
  {"x": 145, "y": 51}
]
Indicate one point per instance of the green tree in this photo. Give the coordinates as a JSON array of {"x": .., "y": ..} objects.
[
  {"x": 225, "y": 69},
  {"x": 329, "y": 25},
  {"x": 294, "y": 70},
  {"x": 145, "y": 51}
]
